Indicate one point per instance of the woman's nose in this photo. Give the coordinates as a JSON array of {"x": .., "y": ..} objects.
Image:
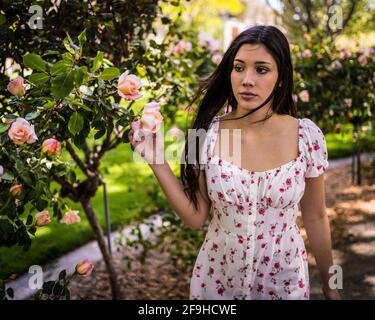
[{"x": 248, "y": 80}]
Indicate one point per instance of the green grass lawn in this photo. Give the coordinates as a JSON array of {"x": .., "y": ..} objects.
[{"x": 128, "y": 184}]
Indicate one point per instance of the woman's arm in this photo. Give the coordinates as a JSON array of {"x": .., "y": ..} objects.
[
  {"x": 153, "y": 148},
  {"x": 317, "y": 227}
]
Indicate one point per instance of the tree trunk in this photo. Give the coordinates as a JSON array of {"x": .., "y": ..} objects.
[
  {"x": 356, "y": 159},
  {"x": 359, "y": 176},
  {"x": 98, "y": 232}
]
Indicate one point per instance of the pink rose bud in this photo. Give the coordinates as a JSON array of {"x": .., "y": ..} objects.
[
  {"x": 362, "y": 59},
  {"x": 84, "y": 268},
  {"x": 70, "y": 217},
  {"x": 22, "y": 132},
  {"x": 17, "y": 87},
  {"x": 304, "y": 96},
  {"x": 15, "y": 190},
  {"x": 42, "y": 218},
  {"x": 1, "y": 170},
  {"x": 52, "y": 147},
  {"x": 151, "y": 119},
  {"x": 128, "y": 86},
  {"x": 307, "y": 53}
]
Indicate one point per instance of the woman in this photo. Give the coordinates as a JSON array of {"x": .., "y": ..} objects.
[{"x": 253, "y": 248}]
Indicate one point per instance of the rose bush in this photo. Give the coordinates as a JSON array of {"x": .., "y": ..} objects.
[{"x": 335, "y": 87}]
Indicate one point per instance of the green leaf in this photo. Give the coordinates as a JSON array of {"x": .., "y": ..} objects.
[
  {"x": 62, "y": 85},
  {"x": 34, "y": 62},
  {"x": 79, "y": 74},
  {"x": 62, "y": 275},
  {"x": 10, "y": 293},
  {"x": 69, "y": 45},
  {"x": 29, "y": 219},
  {"x": 3, "y": 127},
  {"x": 7, "y": 176},
  {"x": 110, "y": 73},
  {"x": 68, "y": 57},
  {"x": 71, "y": 176},
  {"x": 97, "y": 62},
  {"x": 100, "y": 133},
  {"x": 2, "y": 19},
  {"x": 60, "y": 67},
  {"x": 32, "y": 115},
  {"x": 86, "y": 90},
  {"x": 41, "y": 204},
  {"x": 83, "y": 106},
  {"x": 38, "y": 78},
  {"x": 19, "y": 166},
  {"x": 82, "y": 39},
  {"x": 75, "y": 124},
  {"x": 141, "y": 70}
]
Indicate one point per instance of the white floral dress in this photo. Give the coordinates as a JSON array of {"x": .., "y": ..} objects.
[{"x": 253, "y": 248}]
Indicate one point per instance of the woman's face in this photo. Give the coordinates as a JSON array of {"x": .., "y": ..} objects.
[{"x": 253, "y": 77}]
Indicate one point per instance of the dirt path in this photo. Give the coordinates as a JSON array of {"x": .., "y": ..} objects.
[{"x": 351, "y": 210}]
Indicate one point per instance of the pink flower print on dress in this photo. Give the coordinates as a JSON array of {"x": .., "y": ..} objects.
[
  {"x": 301, "y": 284},
  {"x": 214, "y": 247},
  {"x": 211, "y": 271},
  {"x": 266, "y": 260},
  {"x": 260, "y": 288}
]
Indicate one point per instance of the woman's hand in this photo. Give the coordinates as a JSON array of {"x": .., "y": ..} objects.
[
  {"x": 149, "y": 146},
  {"x": 331, "y": 294}
]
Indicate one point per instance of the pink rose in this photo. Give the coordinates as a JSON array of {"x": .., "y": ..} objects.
[
  {"x": 128, "y": 86},
  {"x": 42, "y": 218},
  {"x": 151, "y": 119},
  {"x": 15, "y": 190},
  {"x": 304, "y": 96},
  {"x": 70, "y": 217},
  {"x": 17, "y": 87},
  {"x": 345, "y": 53},
  {"x": 1, "y": 170},
  {"x": 84, "y": 268},
  {"x": 51, "y": 146},
  {"x": 21, "y": 131},
  {"x": 182, "y": 46},
  {"x": 216, "y": 58},
  {"x": 307, "y": 53},
  {"x": 362, "y": 59}
]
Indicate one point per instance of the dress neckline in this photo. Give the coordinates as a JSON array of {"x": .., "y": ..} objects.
[{"x": 216, "y": 126}]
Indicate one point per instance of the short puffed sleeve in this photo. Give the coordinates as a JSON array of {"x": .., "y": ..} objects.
[{"x": 315, "y": 149}]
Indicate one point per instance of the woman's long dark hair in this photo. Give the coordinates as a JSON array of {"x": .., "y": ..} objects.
[{"x": 218, "y": 93}]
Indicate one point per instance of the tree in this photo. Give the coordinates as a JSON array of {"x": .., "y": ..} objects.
[
  {"x": 325, "y": 18},
  {"x": 73, "y": 95}
]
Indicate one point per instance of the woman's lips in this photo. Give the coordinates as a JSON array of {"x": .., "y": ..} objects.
[{"x": 247, "y": 96}]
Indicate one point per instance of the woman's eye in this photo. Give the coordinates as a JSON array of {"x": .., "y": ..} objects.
[
  {"x": 261, "y": 70},
  {"x": 237, "y": 68}
]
